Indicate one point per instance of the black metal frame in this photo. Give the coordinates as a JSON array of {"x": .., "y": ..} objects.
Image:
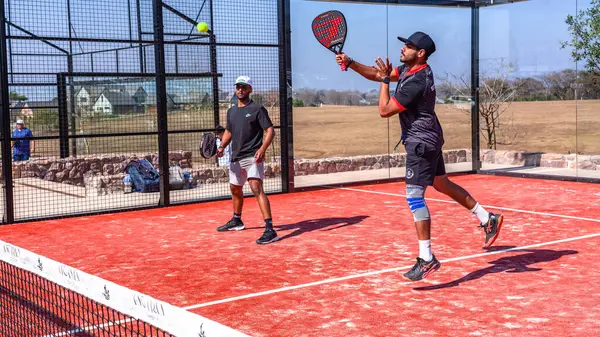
[{"x": 140, "y": 39}]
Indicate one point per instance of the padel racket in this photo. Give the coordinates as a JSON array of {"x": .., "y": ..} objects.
[
  {"x": 330, "y": 30},
  {"x": 208, "y": 145}
]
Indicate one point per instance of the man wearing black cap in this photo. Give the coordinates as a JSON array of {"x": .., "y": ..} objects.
[{"x": 423, "y": 138}]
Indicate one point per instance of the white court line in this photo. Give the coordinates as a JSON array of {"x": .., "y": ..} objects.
[
  {"x": 485, "y": 206},
  {"x": 376, "y": 272}
]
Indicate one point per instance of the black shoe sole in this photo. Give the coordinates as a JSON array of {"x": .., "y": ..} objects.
[
  {"x": 500, "y": 221},
  {"x": 427, "y": 273},
  {"x": 266, "y": 242},
  {"x": 237, "y": 228}
]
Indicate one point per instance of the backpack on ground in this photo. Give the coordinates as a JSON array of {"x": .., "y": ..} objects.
[
  {"x": 176, "y": 178},
  {"x": 144, "y": 177}
]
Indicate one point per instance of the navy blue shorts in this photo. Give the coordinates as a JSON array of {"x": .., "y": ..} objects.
[{"x": 423, "y": 164}]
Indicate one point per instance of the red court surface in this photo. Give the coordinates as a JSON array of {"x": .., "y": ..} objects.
[{"x": 338, "y": 268}]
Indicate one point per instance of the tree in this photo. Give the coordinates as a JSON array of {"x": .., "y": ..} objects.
[
  {"x": 496, "y": 93},
  {"x": 45, "y": 119},
  {"x": 13, "y": 95},
  {"x": 258, "y": 99},
  {"x": 530, "y": 89},
  {"x": 559, "y": 84},
  {"x": 584, "y": 29}
]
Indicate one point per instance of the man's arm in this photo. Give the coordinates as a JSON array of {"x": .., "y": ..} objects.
[
  {"x": 268, "y": 139},
  {"x": 267, "y": 125},
  {"x": 224, "y": 142},
  {"x": 387, "y": 108},
  {"x": 368, "y": 72}
]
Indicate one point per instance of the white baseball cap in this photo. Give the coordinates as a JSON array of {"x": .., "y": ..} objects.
[
  {"x": 244, "y": 80},
  {"x": 20, "y": 121}
]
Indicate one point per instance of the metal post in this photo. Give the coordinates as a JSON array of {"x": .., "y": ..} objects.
[
  {"x": 71, "y": 93},
  {"x": 213, "y": 67},
  {"x": 70, "y": 112},
  {"x": 475, "y": 146},
  {"x": 63, "y": 122},
  {"x": 176, "y": 60},
  {"x": 285, "y": 97},
  {"x": 161, "y": 103},
  {"x": 139, "y": 27},
  {"x": 9, "y": 211}
]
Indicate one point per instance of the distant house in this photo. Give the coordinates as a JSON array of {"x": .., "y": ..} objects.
[
  {"x": 116, "y": 103},
  {"x": 151, "y": 101},
  {"x": 27, "y": 109},
  {"x": 85, "y": 96},
  {"x": 139, "y": 94},
  {"x": 184, "y": 100}
]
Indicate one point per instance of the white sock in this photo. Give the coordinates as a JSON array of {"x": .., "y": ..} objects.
[
  {"x": 481, "y": 213},
  {"x": 425, "y": 250}
]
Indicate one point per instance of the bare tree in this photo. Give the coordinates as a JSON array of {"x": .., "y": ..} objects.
[{"x": 496, "y": 93}]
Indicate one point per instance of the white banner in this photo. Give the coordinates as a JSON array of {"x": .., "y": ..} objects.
[{"x": 165, "y": 316}]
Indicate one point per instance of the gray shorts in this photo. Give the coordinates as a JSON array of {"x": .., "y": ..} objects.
[{"x": 242, "y": 170}]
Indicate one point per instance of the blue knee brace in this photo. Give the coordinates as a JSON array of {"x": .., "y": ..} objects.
[{"x": 416, "y": 202}]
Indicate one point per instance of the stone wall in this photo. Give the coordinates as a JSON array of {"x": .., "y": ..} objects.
[
  {"x": 75, "y": 171},
  {"x": 104, "y": 174},
  {"x": 304, "y": 167},
  {"x": 517, "y": 158}
]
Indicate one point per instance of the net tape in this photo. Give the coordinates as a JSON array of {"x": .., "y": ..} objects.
[{"x": 175, "y": 320}]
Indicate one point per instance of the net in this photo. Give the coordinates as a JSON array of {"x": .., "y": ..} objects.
[{"x": 41, "y": 297}]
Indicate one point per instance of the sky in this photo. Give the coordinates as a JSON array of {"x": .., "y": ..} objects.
[{"x": 527, "y": 33}]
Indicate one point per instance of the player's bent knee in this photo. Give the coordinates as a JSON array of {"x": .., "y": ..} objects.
[
  {"x": 255, "y": 186},
  {"x": 235, "y": 189},
  {"x": 416, "y": 202}
]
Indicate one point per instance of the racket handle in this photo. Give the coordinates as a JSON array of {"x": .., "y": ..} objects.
[{"x": 343, "y": 66}]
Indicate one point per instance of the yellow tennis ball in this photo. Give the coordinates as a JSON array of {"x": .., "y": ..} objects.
[{"x": 202, "y": 27}]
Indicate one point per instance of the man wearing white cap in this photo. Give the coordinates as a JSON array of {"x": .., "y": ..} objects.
[
  {"x": 247, "y": 123},
  {"x": 23, "y": 148}
]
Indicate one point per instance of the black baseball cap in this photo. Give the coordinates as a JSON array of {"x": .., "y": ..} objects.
[{"x": 421, "y": 41}]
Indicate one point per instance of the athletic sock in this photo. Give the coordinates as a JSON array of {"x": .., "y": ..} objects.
[
  {"x": 481, "y": 213},
  {"x": 269, "y": 223},
  {"x": 237, "y": 217},
  {"x": 425, "y": 250}
]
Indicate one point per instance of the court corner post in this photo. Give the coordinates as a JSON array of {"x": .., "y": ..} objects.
[
  {"x": 5, "y": 123},
  {"x": 161, "y": 102},
  {"x": 286, "y": 96},
  {"x": 475, "y": 143}
]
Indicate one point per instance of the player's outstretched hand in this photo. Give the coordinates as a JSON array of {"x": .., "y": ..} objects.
[{"x": 383, "y": 68}]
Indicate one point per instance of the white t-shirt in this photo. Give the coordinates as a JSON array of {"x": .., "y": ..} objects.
[{"x": 226, "y": 159}]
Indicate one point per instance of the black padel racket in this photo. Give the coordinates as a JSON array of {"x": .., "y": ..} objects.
[
  {"x": 330, "y": 30},
  {"x": 208, "y": 145}
]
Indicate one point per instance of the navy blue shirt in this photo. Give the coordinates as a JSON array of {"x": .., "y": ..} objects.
[
  {"x": 247, "y": 125},
  {"x": 416, "y": 95},
  {"x": 22, "y": 146}
]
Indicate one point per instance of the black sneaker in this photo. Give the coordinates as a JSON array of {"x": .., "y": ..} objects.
[
  {"x": 492, "y": 228},
  {"x": 422, "y": 269},
  {"x": 232, "y": 225},
  {"x": 268, "y": 236}
]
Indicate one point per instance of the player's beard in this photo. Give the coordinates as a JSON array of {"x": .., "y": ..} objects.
[{"x": 243, "y": 98}]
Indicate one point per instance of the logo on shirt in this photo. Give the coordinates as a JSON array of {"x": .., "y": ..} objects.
[{"x": 248, "y": 115}]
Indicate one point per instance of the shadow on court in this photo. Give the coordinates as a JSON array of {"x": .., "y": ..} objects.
[
  {"x": 509, "y": 264},
  {"x": 325, "y": 224}
]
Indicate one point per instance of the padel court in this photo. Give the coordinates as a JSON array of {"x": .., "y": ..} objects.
[{"x": 337, "y": 268}]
